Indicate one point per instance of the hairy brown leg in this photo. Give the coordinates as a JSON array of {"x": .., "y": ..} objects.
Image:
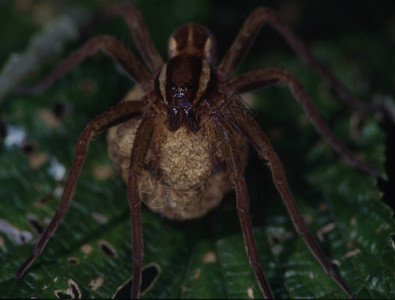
[
  {"x": 109, "y": 45},
  {"x": 262, "y": 144},
  {"x": 261, "y": 78},
  {"x": 140, "y": 33},
  {"x": 229, "y": 147},
  {"x": 113, "y": 116},
  {"x": 246, "y": 37},
  {"x": 140, "y": 148}
]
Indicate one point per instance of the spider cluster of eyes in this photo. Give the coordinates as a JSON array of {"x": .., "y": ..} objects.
[{"x": 180, "y": 91}]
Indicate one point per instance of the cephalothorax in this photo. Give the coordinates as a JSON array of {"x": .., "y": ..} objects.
[{"x": 189, "y": 131}]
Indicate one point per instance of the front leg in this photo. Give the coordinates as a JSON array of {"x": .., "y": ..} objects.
[
  {"x": 262, "y": 144},
  {"x": 224, "y": 135},
  {"x": 140, "y": 147}
]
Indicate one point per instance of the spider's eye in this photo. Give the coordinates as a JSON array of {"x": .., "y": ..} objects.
[{"x": 179, "y": 92}]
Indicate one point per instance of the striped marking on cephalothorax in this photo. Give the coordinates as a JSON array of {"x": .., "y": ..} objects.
[
  {"x": 190, "y": 38},
  {"x": 204, "y": 79},
  {"x": 162, "y": 83}
]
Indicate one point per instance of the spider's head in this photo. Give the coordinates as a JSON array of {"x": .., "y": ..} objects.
[
  {"x": 183, "y": 82},
  {"x": 192, "y": 39},
  {"x": 187, "y": 77}
]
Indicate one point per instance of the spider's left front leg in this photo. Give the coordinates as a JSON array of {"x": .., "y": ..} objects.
[
  {"x": 262, "y": 78},
  {"x": 140, "y": 147},
  {"x": 225, "y": 138}
]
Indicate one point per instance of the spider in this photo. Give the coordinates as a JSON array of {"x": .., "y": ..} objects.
[{"x": 189, "y": 131}]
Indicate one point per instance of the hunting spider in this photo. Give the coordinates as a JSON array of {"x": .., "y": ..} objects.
[{"x": 190, "y": 130}]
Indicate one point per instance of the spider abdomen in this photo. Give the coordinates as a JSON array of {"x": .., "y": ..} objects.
[{"x": 183, "y": 184}]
